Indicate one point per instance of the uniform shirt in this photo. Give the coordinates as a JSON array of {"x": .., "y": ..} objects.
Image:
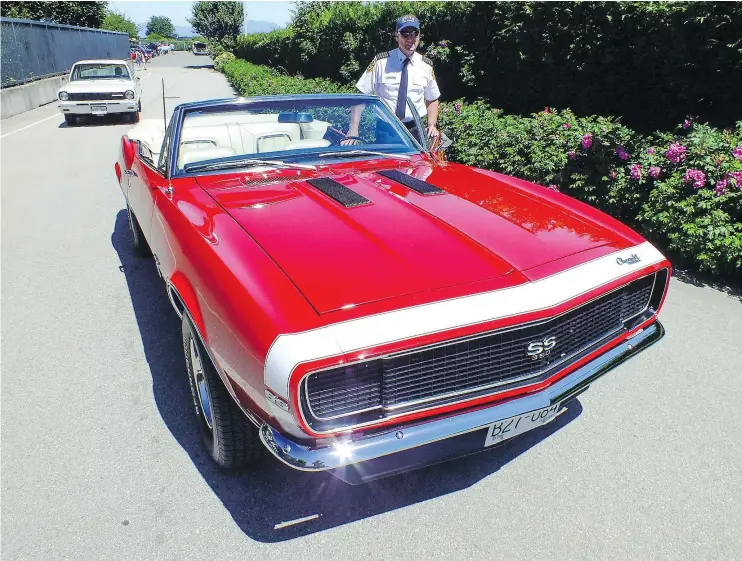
[{"x": 383, "y": 75}]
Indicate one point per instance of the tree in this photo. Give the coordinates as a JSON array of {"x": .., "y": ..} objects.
[
  {"x": 160, "y": 25},
  {"x": 84, "y": 14},
  {"x": 220, "y": 22},
  {"x": 119, "y": 22}
]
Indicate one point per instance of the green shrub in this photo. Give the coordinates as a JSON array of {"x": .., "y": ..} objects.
[
  {"x": 252, "y": 80},
  {"x": 651, "y": 62},
  {"x": 221, "y": 59},
  {"x": 646, "y": 181}
]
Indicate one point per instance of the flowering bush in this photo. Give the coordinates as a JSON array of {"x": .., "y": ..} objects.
[{"x": 689, "y": 201}]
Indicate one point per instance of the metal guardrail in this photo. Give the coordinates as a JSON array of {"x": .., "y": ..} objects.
[{"x": 31, "y": 50}]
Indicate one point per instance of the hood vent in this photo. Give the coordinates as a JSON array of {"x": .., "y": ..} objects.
[
  {"x": 417, "y": 185},
  {"x": 338, "y": 192}
]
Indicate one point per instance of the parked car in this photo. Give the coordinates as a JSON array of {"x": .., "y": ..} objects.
[
  {"x": 200, "y": 48},
  {"x": 100, "y": 87},
  {"x": 370, "y": 309}
]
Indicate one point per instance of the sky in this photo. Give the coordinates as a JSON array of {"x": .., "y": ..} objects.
[{"x": 140, "y": 12}]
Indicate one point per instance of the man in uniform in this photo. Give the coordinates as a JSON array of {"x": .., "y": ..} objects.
[{"x": 400, "y": 73}]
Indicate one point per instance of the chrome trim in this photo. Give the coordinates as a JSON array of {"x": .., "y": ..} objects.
[
  {"x": 170, "y": 289},
  {"x": 337, "y": 453},
  {"x": 302, "y": 382}
]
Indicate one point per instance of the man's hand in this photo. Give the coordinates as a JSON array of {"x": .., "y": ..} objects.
[{"x": 433, "y": 132}]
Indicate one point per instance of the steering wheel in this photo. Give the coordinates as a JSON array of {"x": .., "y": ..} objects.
[{"x": 347, "y": 137}]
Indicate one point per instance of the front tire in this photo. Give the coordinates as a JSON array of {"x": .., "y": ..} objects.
[
  {"x": 141, "y": 247},
  {"x": 71, "y": 120},
  {"x": 230, "y": 438}
]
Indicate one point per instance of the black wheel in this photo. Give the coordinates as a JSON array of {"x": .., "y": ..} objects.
[
  {"x": 141, "y": 247},
  {"x": 230, "y": 438},
  {"x": 134, "y": 117},
  {"x": 71, "y": 120}
]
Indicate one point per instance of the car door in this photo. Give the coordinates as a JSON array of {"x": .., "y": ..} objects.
[{"x": 144, "y": 179}]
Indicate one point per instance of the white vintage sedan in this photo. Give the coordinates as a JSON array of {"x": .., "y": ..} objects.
[{"x": 101, "y": 87}]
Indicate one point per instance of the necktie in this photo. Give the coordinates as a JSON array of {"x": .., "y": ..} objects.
[{"x": 402, "y": 95}]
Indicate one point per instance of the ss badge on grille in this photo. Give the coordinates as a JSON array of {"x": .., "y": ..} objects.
[{"x": 539, "y": 349}]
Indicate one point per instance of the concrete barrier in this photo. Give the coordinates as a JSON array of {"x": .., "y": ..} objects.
[{"x": 19, "y": 99}]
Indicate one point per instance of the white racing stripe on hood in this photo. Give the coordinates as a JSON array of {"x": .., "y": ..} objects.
[{"x": 288, "y": 351}]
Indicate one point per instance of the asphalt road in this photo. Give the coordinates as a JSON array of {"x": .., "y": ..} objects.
[{"x": 100, "y": 453}]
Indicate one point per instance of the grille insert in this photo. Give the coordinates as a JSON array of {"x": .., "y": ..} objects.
[
  {"x": 471, "y": 365},
  {"x": 417, "y": 185},
  {"x": 95, "y": 96},
  {"x": 339, "y": 192}
]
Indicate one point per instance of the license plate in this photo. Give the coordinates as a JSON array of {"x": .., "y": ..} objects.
[
  {"x": 98, "y": 109},
  {"x": 513, "y": 426}
]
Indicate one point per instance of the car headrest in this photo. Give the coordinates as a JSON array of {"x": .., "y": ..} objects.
[{"x": 200, "y": 152}]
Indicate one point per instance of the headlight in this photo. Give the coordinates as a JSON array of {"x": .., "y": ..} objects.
[
  {"x": 63, "y": 96},
  {"x": 129, "y": 94}
]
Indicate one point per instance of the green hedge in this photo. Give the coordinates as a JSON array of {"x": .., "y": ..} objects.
[
  {"x": 654, "y": 63},
  {"x": 651, "y": 182}
]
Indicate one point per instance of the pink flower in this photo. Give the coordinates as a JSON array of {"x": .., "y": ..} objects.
[
  {"x": 655, "y": 172},
  {"x": 636, "y": 172},
  {"x": 457, "y": 108},
  {"x": 686, "y": 124},
  {"x": 571, "y": 155},
  {"x": 443, "y": 43},
  {"x": 737, "y": 153},
  {"x": 737, "y": 177},
  {"x": 621, "y": 153},
  {"x": 553, "y": 187},
  {"x": 718, "y": 162},
  {"x": 587, "y": 141},
  {"x": 566, "y": 126},
  {"x": 676, "y": 153},
  {"x": 696, "y": 176},
  {"x": 547, "y": 110},
  {"x": 613, "y": 175},
  {"x": 651, "y": 150},
  {"x": 723, "y": 182}
]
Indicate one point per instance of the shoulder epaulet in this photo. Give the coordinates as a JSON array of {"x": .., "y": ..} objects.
[
  {"x": 426, "y": 60},
  {"x": 377, "y": 58}
]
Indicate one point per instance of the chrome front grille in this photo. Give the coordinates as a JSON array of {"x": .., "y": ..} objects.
[
  {"x": 95, "y": 96},
  {"x": 472, "y": 365}
]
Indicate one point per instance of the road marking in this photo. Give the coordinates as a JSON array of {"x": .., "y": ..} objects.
[
  {"x": 145, "y": 77},
  {"x": 55, "y": 116},
  {"x": 295, "y": 522}
]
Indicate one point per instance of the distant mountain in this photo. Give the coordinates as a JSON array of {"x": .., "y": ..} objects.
[{"x": 260, "y": 26}]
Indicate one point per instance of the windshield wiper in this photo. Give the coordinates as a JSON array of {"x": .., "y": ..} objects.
[
  {"x": 244, "y": 162},
  {"x": 341, "y": 153}
]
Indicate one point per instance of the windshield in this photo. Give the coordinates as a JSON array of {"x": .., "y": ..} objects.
[
  {"x": 99, "y": 72},
  {"x": 199, "y": 45},
  {"x": 306, "y": 131}
]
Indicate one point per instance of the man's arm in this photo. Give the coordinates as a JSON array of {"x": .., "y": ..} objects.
[
  {"x": 355, "y": 119},
  {"x": 432, "y": 109}
]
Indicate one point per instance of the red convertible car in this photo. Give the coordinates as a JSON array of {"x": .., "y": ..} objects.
[{"x": 356, "y": 305}]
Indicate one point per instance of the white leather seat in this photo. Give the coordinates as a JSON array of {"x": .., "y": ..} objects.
[{"x": 201, "y": 152}]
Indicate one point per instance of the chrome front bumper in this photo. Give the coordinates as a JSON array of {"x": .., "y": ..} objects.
[
  {"x": 83, "y": 107},
  {"x": 345, "y": 453}
]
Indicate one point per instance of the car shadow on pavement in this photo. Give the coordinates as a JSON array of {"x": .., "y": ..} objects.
[
  {"x": 266, "y": 497},
  {"x": 201, "y": 66},
  {"x": 103, "y": 121}
]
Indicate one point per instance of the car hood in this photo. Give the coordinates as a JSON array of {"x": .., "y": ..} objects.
[
  {"x": 483, "y": 227},
  {"x": 81, "y": 86}
]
